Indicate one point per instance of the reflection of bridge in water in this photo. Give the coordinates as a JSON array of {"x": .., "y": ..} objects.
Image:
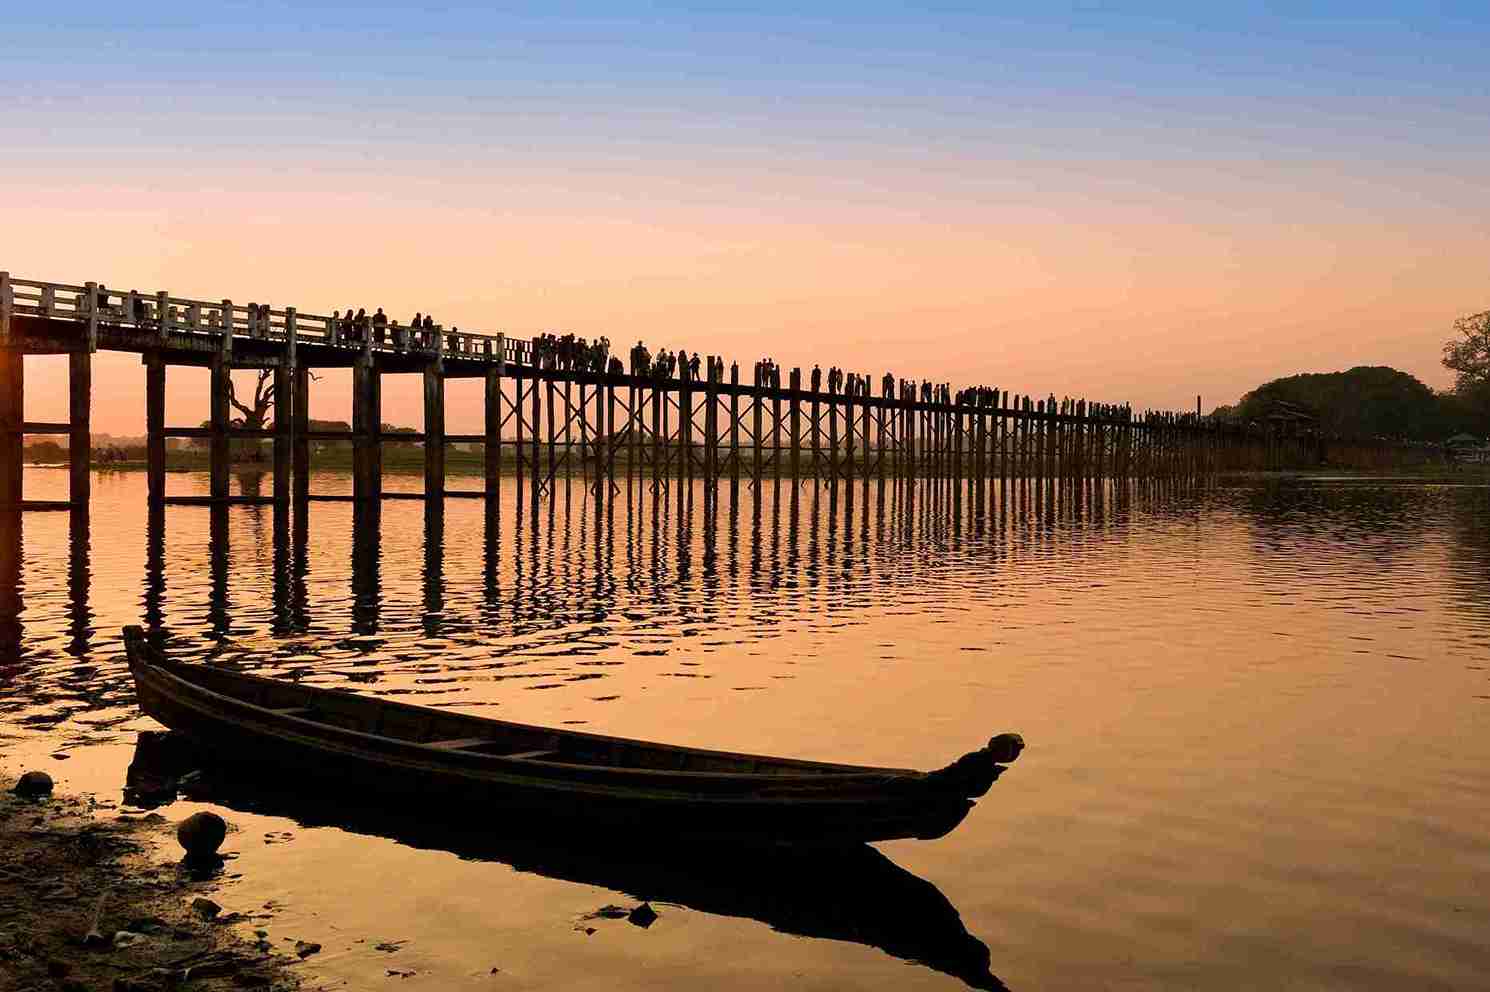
[
  {"x": 544, "y": 422},
  {"x": 775, "y": 537}
]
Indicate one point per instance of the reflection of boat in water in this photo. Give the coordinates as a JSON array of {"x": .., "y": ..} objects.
[
  {"x": 853, "y": 894},
  {"x": 553, "y": 774}
]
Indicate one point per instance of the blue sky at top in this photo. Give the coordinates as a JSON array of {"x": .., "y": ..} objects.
[{"x": 1399, "y": 83}]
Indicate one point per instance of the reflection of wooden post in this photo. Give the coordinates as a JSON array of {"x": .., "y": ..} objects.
[
  {"x": 12, "y": 420},
  {"x": 79, "y": 391},
  {"x": 284, "y": 420},
  {"x": 221, "y": 452},
  {"x": 155, "y": 425},
  {"x": 434, "y": 430}
]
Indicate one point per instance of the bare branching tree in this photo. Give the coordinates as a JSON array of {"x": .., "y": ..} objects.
[
  {"x": 263, "y": 401},
  {"x": 1468, "y": 354}
]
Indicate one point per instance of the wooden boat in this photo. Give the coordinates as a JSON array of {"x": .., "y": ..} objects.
[{"x": 560, "y": 778}]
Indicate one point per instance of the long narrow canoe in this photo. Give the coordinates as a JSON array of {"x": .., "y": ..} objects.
[{"x": 537, "y": 775}]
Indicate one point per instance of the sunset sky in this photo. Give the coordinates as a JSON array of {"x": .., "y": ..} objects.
[{"x": 1140, "y": 206}]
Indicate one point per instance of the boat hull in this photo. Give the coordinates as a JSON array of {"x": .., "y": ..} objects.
[{"x": 243, "y": 735}]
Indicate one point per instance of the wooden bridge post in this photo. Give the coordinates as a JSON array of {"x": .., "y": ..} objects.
[
  {"x": 7, "y": 307},
  {"x": 904, "y": 415},
  {"x": 284, "y": 422},
  {"x": 90, "y": 302},
  {"x": 756, "y": 415},
  {"x": 657, "y": 434},
  {"x": 300, "y": 419},
  {"x": 866, "y": 389},
  {"x": 492, "y": 434},
  {"x": 434, "y": 429},
  {"x": 553, "y": 434},
  {"x": 711, "y": 426},
  {"x": 685, "y": 427},
  {"x": 794, "y": 424},
  {"x": 979, "y": 436},
  {"x": 221, "y": 457},
  {"x": 79, "y": 439},
  {"x": 610, "y": 433},
  {"x": 833, "y": 429},
  {"x": 775, "y": 429},
  {"x": 12, "y": 422},
  {"x": 817, "y": 431},
  {"x": 163, "y": 322},
  {"x": 365, "y": 430},
  {"x": 879, "y": 437},
  {"x": 519, "y": 449},
  {"x": 734, "y": 425},
  {"x": 155, "y": 425},
  {"x": 632, "y": 426},
  {"x": 534, "y": 428}
]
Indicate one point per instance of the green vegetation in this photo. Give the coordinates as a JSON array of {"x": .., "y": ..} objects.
[{"x": 1366, "y": 401}]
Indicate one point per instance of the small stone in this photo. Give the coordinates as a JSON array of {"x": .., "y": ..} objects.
[
  {"x": 33, "y": 785},
  {"x": 305, "y": 948},
  {"x": 201, "y": 834},
  {"x": 205, "y": 908},
  {"x": 127, "y": 938},
  {"x": 642, "y": 916}
]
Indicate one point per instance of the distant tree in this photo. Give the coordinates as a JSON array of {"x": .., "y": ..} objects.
[
  {"x": 1467, "y": 355},
  {"x": 45, "y": 452},
  {"x": 1367, "y": 401},
  {"x": 255, "y": 416}
]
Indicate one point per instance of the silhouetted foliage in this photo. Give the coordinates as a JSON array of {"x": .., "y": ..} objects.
[
  {"x": 1468, "y": 354},
  {"x": 1366, "y": 401}
]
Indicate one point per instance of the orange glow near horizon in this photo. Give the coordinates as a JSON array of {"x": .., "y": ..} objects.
[{"x": 1150, "y": 300}]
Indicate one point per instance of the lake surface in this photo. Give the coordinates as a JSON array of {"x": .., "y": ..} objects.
[{"x": 1258, "y": 718}]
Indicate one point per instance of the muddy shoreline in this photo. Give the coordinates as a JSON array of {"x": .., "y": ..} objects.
[{"x": 89, "y": 900}]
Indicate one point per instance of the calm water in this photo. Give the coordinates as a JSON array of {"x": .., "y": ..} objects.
[{"x": 1258, "y": 720}]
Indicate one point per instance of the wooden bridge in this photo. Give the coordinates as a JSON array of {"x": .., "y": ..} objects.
[{"x": 550, "y": 422}]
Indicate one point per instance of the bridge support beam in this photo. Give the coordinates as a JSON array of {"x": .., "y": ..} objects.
[
  {"x": 155, "y": 425},
  {"x": 284, "y": 420},
  {"x": 434, "y": 431},
  {"x": 12, "y": 419},
  {"x": 79, "y": 439},
  {"x": 222, "y": 457},
  {"x": 300, "y": 440},
  {"x": 493, "y": 432},
  {"x": 367, "y": 425}
]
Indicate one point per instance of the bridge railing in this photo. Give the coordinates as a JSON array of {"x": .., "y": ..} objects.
[{"x": 95, "y": 305}]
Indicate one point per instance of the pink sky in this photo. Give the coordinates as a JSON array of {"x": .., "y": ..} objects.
[{"x": 1150, "y": 300}]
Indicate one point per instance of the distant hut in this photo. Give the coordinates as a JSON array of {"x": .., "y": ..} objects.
[
  {"x": 1289, "y": 419},
  {"x": 1467, "y": 448}
]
